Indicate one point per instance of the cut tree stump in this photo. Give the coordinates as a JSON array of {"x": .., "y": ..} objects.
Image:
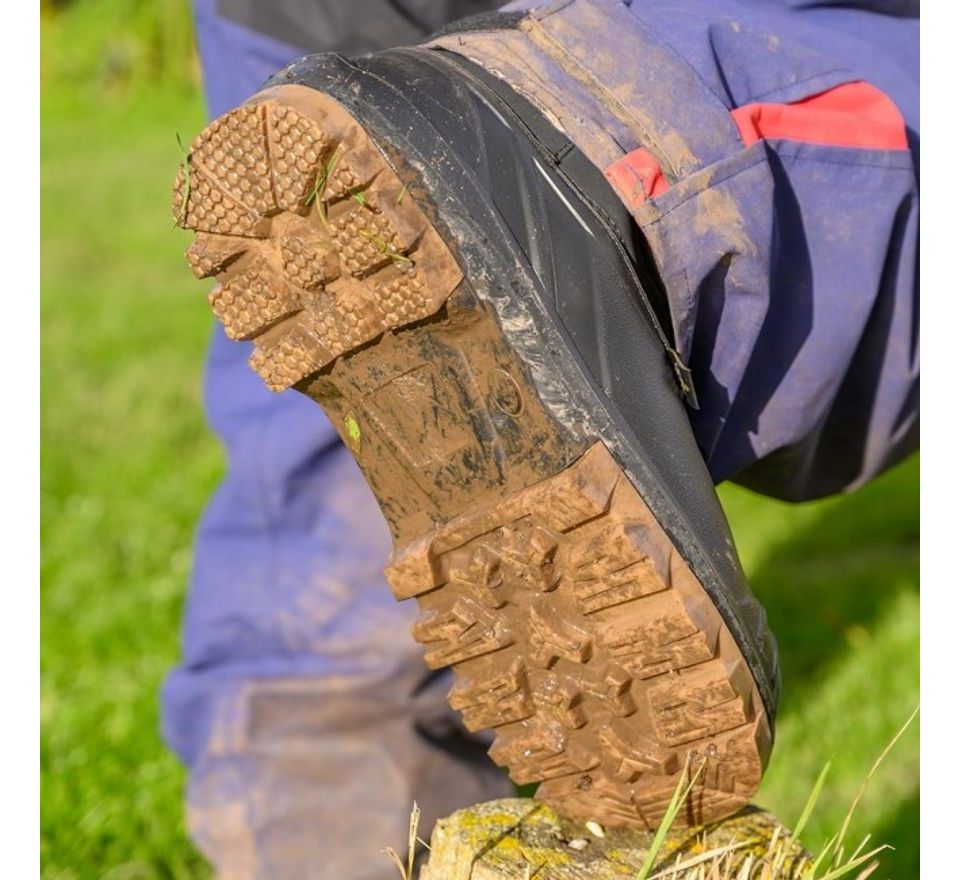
[{"x": 522, "y": 839}]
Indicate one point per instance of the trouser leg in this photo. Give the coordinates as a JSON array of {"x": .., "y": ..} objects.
[
  {"x": 302, "y": 706},
  {"x": 785, "y": 229}
]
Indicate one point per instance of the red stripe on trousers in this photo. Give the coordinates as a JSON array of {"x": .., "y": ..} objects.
[{"x": 851, "y": 115}]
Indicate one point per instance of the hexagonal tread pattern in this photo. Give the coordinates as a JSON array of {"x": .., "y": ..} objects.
[{"x": 308, "y": 230}]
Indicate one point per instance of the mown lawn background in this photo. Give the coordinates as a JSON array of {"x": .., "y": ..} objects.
[{"x": 128, "y": 463}]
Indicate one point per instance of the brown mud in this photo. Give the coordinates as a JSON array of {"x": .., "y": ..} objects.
[{"x": 573, "y": 626}]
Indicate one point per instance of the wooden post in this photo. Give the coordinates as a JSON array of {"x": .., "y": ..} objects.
[{"x": 522, "y": 839}]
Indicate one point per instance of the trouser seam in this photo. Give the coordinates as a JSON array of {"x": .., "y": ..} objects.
[{"x": 550, "y": 46}]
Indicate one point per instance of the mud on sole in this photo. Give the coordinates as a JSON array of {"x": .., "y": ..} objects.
[{"x": 574, "y": 627}]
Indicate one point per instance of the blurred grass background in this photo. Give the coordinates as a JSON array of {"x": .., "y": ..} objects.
[{"x": 128, "y": 463}]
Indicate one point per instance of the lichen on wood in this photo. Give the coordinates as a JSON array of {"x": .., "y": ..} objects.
[{"x": 523, "y": 839}]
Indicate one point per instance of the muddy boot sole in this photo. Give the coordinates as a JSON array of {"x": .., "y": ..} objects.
[{"x": 575, "y": 625}]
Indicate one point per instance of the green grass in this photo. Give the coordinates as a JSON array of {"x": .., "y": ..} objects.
[
  {"x": 127, "y": 466},
  {"x": 840, "y": 581},
  {"x": 103, "y": 49}
]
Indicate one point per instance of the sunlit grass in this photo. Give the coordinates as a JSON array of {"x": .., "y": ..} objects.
[{"x": 127, "y": 465}]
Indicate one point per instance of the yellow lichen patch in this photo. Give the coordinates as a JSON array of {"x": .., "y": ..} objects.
[{"x": 513, "y": 837}]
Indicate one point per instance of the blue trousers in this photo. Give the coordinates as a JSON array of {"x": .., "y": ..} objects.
[{"x": 757, "y": 145}]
